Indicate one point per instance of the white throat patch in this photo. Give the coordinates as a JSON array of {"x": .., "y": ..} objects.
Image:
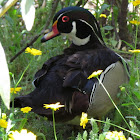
[{"x": 72, "y": 36}]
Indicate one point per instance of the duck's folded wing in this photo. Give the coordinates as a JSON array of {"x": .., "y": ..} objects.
[
  {"x": 46, "y": 66},
  {"x": 76, "y": 79}
]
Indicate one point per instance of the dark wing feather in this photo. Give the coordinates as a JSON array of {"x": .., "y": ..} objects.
[{"x": 46, "y": 66}]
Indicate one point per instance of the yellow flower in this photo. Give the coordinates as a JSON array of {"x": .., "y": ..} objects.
[
  {"x": 95, "y": 74},
  {"x": 22, "y": 135},
  {"x": 135, "y": 22},
  {"x": 103, "y": 15},
  {"x": 53, "y": 106},
  {"x": 139, "y": 109},
  {"x": 4, "y": 116},
  {"x": 136, "y": 3},
  {"x": 33, "y": 51},
  {"x": 26, "y": 109},
  {"x": 15, "y": 90},
  {"x": 83, "y": 120},
  {"x": 135, "y": 51},
  {"x": 115, "y": 135},
  {"x": 3, "y": 123}
]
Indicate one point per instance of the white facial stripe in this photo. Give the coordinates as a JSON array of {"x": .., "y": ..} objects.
[
  {"x": 75, "y": 39},
  {"x": 93, "y": 30},
  {"x": 74, "y": 28}
]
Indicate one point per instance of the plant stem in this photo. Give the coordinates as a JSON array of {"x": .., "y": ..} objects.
[
  {"x": 118, "y": 127},
  {"x": 4, "y": 134},
  {"x": 54, "y": 125},
  {"x": 131, "y": 100},
  {"x": 19, "y": 82},
  {"x": 24, "y": 120},
  {"x": 24, "y": 73},
  {"x": 137, "y": 70},
  {"x": 136, "y": 39}
]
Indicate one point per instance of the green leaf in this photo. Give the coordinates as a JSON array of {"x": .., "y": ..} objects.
[
  {"x": 79, "y": 137},
  {"x": 137, "y": 93},
  {"x": 10, "y": 20},
  {"x": 102, "y": 136},
  {"x": 41, "y": 135},
  {"x": 127, "y": 104},
  {"x": 104, "y": 6},
  {"x": 4, "y": 78},
  {"x": 94, "y": 125},
  {"x": 108, "y": 28},
  {"x": 131, "y": 46},
  {"x": 28, "y": 13},
  {"x": 85, "y": 135},
  {"x": 106, "y": 125},
  {"x": 113, "y": 42}
]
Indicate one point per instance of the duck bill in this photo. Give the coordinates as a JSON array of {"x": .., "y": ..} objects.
[{"x": 52, "y": 33}]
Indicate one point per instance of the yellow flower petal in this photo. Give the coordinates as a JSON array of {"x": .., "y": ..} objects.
[
  {"x": 3, "y": 123},
  {"x": 53, "y": 106},
  {"x": 83, "y": 120},
  {"x": 22, "y": 135},
  {"x": 15, "y": 90},
  {"x": 103, "y": 15},
  {"x": 33, "y": 51},
  {"x": 136, "y": 3},
  {"x": 135, "y": 22},
  {"x": 95, "y": 74},
  {"x": 26, "y": 109},
  {"x": 135, "y": 51}
]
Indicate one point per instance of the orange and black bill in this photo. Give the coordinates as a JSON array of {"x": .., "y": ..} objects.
[{"x": 52, "y": 33}]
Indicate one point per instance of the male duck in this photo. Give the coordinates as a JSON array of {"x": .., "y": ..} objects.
[{"x": 63, "y": 78}]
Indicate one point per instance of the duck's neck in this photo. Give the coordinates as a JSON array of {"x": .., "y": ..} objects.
[
  {"x": 92, "y": 38},
  {"x": 90, "y": 45}
]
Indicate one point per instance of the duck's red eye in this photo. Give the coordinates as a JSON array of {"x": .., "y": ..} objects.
[{"x": 65, "y": 18}]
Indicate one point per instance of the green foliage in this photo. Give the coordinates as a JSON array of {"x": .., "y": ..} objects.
[
  {"x": 14, "y": 36},
  {"x": 106, "y": 125},
  {"x": 94, "y": 125},
  {"x": 103, "y": 7}
]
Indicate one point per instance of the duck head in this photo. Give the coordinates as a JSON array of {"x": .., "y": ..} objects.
[{"x": 78, "y": 24}]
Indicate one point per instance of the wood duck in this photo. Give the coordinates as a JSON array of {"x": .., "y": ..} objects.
[{"x": 63, "y": 78}]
